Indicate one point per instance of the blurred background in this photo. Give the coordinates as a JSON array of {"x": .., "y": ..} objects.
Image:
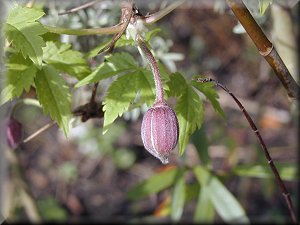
[{"x": 87, "y": 176}]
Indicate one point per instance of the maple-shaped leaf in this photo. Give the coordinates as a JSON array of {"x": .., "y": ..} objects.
[
  {"x": 19, "y": 77},
  {"x": 65, "y": 59},
  {"x": 23, "y": 31},
  {"x": 54, "y": 96}
]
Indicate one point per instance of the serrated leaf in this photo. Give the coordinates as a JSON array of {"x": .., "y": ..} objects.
[
  {"x": 119, "y": 96},
  {"x": 23, "y": 31},
  {"x": 54, "y": 96},
  {"x": 263, "y": 6},
  {"x": 65, "y": 59},
  {"x": 190, "y": 112},
  {"x": 146, "y": 86},
  {"x": 154, "y": 184},
  {"x": 178, "y": 199},
  {"x": 208, "y": 90},
  {"x": 224, "y": 202},
  {"x": 177, "y": 85},
  {"x": 20, "y": 76},
  {"x": 115, "y": 64}
]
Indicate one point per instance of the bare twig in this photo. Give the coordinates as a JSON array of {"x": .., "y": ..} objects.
[
  {"x": 265, "y": 47},
  {"x": 38, "y": 132},
  {"x": 284, "y": 191},
  {"x": 86, "y": 5}
]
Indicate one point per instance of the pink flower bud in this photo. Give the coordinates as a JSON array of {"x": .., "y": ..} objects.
[
  {"x": 14, "y": 133},
  {"x": 160, "y": 131}
]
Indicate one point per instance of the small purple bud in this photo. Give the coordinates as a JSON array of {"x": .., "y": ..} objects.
[
  {"x": 14, "y": 133},
  {"x": 160, "y": 131}
]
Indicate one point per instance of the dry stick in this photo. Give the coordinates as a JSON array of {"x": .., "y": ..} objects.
[
  {"x": 38, "y": 132},
  {"x": 265, "y": 47},
  {"x": 284, "y": 191},
  {"x": 86, "y": 5}
]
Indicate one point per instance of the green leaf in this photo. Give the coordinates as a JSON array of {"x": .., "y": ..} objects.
[
  {"x": 51, "y": 211},
  {"x": 65, "y": 59},
  {"x": 208, "y": 90},
  {"x": 23, "y": 31},
  {"x": 54, "y": 96},
  {"x": 20, "y": 76},
  {"x": 178, "y": 199},
  {"x": 119, "y": 96},
  {"x": 264, "y": 5},
  {"x": 189, "y": 109},
  {"x": 154, "y": 184},
  {"x": 146, "y": 86},
  {"x": 224, "y": 202},
  {"x": 204, "y": 212},
  {"x": 200, "y": 141},
  {"x": 287, "y": 171},
  {"x": 115, "y": 64},
  {"x": 177, "y": 85}
]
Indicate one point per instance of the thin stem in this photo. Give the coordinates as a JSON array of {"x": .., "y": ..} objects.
[
  {"x": 127, "y": 13},
  {"x": 86, "y": 5},
  {"x": 155, "y": 70},
  {"x": 94, "y": 92},
  {"x": 162, "y": 13},
  {"x": 81, "y": 32},
  {"x": 265, "y": 47},
  {"x": 38, "y": 132},
  {"x": 282, "y": 186}
]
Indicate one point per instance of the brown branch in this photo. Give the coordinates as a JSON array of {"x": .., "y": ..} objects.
[
  {"x": 264, "y": 46},
  {"x": 282, "y": 186}
]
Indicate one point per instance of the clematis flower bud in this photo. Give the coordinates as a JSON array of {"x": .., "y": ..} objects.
[
  {"x": 14, "y": 132},
  {"x": 160, "y": 131}
]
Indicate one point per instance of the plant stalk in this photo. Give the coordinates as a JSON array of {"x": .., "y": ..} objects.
[
  {"x": 265, "y": 47},
  {"x": 81, "y": 32},
  {"x": 159, "y": 93}
]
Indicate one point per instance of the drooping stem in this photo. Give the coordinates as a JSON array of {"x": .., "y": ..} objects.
[
  {"x": 282, "y": 186},
  {"x": 159, "y": 93},
  {"x": 265, "y": 47}
]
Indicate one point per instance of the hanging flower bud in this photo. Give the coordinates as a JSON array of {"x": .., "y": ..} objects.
[
  {"x": 14, "y": 132},
  {"x": 160, "y": 131}
]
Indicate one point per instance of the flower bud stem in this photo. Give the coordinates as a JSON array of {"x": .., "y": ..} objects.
[{"x": 159, "y": 98}]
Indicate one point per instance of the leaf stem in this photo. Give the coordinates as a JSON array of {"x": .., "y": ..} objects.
[
  {"x": 265, "y": 47},
  {"x": 155, "y": 70}
]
